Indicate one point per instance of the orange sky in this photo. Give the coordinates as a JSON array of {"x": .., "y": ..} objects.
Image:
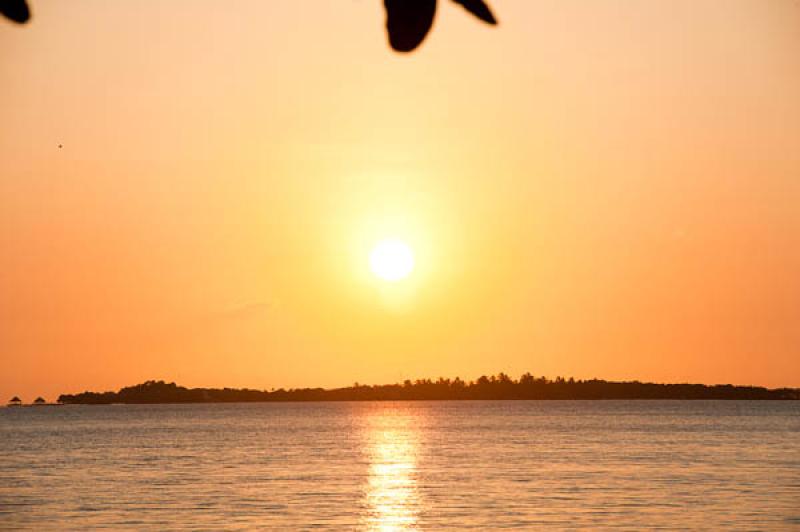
[{"x": 604, "y": 188}]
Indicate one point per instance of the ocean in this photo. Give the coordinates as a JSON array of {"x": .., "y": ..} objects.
[{"x": 706, "y": 465}]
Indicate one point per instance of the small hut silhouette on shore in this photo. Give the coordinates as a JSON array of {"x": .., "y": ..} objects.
[
  {"x": 15, "y": 401},
  {"x": 39, "y": 401}
]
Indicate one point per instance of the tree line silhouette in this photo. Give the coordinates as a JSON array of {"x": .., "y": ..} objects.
[{"x": 494, "y": 387}]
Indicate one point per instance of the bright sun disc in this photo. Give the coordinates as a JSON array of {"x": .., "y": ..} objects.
[{"x": 391, "y": 260}]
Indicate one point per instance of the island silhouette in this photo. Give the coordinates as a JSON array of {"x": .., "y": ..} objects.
[{"x": 495, "y": 387}]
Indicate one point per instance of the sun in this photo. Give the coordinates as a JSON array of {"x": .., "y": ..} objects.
[{"x": 391, "y": 260}]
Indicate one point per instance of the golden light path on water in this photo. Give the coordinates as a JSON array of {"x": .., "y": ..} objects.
[{"x": 392, "y": 497}]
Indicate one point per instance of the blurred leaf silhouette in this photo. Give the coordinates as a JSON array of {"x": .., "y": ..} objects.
[
  {"x": 407, "y": 21},
  {"x": 16, "y": 10}
]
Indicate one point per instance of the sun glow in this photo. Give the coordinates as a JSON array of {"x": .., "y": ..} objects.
[{"x": 391, "y": 260}]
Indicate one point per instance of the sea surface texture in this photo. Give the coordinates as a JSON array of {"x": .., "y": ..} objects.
[{"x": 710, "y": 465}]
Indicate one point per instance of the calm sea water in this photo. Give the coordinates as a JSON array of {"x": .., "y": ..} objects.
[{"x": 412, "y": 465}]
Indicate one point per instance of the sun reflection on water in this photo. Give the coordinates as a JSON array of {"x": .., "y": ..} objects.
[{"x": 392, "y": 497}]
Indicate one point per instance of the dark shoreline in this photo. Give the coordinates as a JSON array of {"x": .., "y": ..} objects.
[
  {"x": 500, "y": 387},
  {"x": 305, "y": 401}
]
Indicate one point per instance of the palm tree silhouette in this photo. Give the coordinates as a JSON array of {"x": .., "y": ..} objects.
[{"x": 407, "y": 21}]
